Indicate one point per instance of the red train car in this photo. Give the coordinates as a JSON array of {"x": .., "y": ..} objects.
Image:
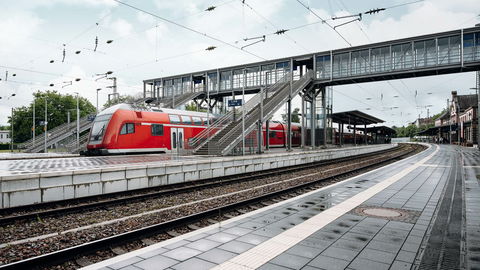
[{"x": 123, "y": 129}]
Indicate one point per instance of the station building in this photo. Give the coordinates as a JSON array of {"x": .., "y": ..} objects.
[{"x": 4, "y": 136}]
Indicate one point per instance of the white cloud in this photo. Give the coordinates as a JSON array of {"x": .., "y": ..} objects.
[{"x": 121, "y": 27}]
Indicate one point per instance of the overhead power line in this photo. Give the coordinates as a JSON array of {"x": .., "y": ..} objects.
[
  {"x": 187, "y": 28},
  {"x": 324, "y": 21}
]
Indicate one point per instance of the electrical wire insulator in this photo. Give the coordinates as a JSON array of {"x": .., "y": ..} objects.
[
  {"x": 78, "y": 52},
  {"x": 211, "y": 48},
  {"x": 373, "y": 11},
  {"x": 109, "y": 41},
  {"x": 281, "y": 31},
  {"x": 210, "y": 8},
  {"x": 63, "y": 59},
  {"x": 96, "y": 44}
]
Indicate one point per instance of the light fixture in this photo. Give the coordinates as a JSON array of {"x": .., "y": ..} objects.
[{"x": 109, "y": 41}]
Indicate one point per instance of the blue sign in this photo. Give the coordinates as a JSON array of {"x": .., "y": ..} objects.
[
  {"x": 91, "y": 118},
  {"x": 234, "y": 102}
]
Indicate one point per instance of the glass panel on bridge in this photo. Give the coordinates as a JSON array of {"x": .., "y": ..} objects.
[
  {"x": 323, "y": 65},
  {"x": 177, "y": 85},
  {"x": 238, "y": 78},
  {"x": 281, "y": 68},
  {"x": 168, "y": 88},
  {"x": 212, "y": 82},
  {"x": 431, "y": 50},
  {"x": 225, "y": 80},
  {"x": 340, "y": 65},
  {"x": 267, "y": 75},
  {"x": 186, "y": 85},
  {"x": 360, "y": 62},
  {"x": 253, "y": 76}
]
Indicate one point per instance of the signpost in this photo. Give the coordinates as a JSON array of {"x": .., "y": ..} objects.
[{"x": 234, "y": 103}]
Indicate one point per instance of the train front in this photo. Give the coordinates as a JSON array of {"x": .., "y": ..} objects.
[{"x": 98, "y": 138}]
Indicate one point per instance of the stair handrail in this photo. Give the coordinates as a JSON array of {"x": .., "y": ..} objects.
[
  {"x": 226, "y": 118},
  {"x": 275, "y": 101}
]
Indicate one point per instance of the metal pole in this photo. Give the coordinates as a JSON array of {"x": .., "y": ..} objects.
[
  {"x": 324, "y": 105},
  {"x": 78, "y": 124},
  {"x": 11, "y": 133},
  {"x": 365, "y": 133},
  {"x": 449, "y": 123},
  {"x": 267, "y": 131},
  {"x": 97, "y": 96},
  {"x": 260, "y": 124},
  {"x": 355, "y": 134},
  {"x": 45, "y": 127},
  {"x": 312, "y": 119},
  {"x": 33, "y": 125},
  {"x": 243, "y": 112},
  {"x": 303, "y": 122}
]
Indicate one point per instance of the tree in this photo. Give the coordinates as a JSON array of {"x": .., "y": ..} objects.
[
  {"x": 120, "y": 99},
  {"x": 193, "y": 107},
  {"x": 409, "y": 131},
  {"x": 295, "y": 116},
  {"x": 57, "y": 107}
]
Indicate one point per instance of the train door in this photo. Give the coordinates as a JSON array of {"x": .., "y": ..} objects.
[{"x": 177, "y": 139}]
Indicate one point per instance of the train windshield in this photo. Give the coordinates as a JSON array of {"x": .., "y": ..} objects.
[{"x": 99, "y": 127}]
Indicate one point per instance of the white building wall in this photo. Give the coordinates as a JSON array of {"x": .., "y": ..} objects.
[{"x": 4, "y": 136}]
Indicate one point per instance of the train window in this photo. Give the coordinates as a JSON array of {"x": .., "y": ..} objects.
[
  {"x": 186, "y": 120},
  {"x": 272, "y": 134},
  {"x": 157, "y": 130},
  {"x": 174, "y": 119},
  {"x": 127, "y": 128},
  {"x": 197, "y": 120}
]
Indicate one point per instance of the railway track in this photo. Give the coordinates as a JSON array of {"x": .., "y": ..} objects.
[{"x": 201, "y": 218}]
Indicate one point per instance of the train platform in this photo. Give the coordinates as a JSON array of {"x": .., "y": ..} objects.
[{"x": 417, "y": 213}]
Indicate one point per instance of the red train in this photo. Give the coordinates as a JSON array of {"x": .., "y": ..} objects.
[{"x": 123, "y": 129}]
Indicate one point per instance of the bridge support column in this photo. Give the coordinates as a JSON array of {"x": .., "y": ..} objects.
[
  {"x": 324, "y": 111},
  {"x": 267, "y": 135},
  {"x": 303, "y": 130},
  {"x": 289, "y": 125},
  {"x": 312, "y": 119},
  {"x": 340, "y": 138},
  {"x": 365, "y": 133},
  {"x": 355, "y": 134}
]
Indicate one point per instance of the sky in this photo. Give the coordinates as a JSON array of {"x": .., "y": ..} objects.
[{"x": 35, "y": 32}]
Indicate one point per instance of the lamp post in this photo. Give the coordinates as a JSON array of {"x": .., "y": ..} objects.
[
  {"x": 78, "y": 122},
  {"x": 11, "y": 132},
  {"x": 33, "y": 122},
  {"x": 98, "y": 89},
  {"x": 45, "y": 125}
]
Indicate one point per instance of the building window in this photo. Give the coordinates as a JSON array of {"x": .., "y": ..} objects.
[
  {"x": 157, "y": 130},
  {"x": 127, "y": 128}
]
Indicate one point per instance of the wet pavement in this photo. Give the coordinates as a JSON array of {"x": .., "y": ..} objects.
[{"x": 399, "y": 237}]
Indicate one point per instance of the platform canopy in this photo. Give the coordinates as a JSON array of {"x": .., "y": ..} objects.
[
  {"x": 355, "y": 118},
  {"x": 433, "y": 131},
  {"x": 383, "y": 130}
]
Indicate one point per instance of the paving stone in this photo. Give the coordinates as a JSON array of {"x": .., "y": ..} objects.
[
  {"x": 315, "y": 243},
  {"x": 203, "y": 244},
  {"x": 406, "y": 256},
  {"x": 197, "y": 237},
  {"x": 126, "y": 262},
  {"x": 237, "y": 231},
  {"x": 399, "y": 265},
  {"x": 217, "y": 255},
  {"x": 236, "y": 246},
  {"x": 152, "y": 253},
  {"x": 347, "y": 244},
  {"x": 177, "y": 244},
  {"x": 377, "y": 255},
  {"x": 130, "y": 267},
  {"x": 271, "y": 266},
  {"x": 156, "y": 263},
  {"x": 364, "y": 264},
  {"x": 340, "y": 253},
  {"x": 221, "y": 237},
  {"x": 383, "y": 246},
  {"x": 290, "y": 261},
  {"x": 304, "y": 251},
  {"x": 330, "y": 263},
  {"x": 194, "y": 264},
  {"x": 253, "y": 239},
  {"x": 182, "y": 253}
]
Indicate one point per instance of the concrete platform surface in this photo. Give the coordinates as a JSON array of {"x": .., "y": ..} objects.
[{"x": 390, "y": 218}]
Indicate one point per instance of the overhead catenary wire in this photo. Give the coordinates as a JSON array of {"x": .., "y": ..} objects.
[
  {"x": 324, "y": 21},
  {"x": 188, "y": 28}
]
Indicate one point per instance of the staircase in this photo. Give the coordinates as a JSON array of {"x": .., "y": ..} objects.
[
  {"x": 224, "y": 136},
  {"x": 56, "y": 135}
]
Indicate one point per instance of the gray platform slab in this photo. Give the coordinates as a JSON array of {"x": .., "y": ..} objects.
[{"x": 353, "y": 240}]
